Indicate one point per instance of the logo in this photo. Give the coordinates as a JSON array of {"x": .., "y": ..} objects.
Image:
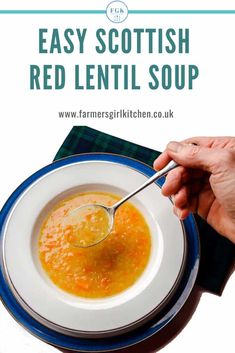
[{"x": 117, "y": 11}]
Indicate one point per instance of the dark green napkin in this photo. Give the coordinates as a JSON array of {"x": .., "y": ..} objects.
[{"x": 217, "y": 253}]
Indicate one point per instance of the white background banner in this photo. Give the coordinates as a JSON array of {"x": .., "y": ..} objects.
[{"x": 31, "y": 130}]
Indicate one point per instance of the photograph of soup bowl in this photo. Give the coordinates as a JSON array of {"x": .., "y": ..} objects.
[{"x": 74, "y": 315}]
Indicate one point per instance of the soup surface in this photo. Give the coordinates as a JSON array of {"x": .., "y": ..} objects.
[{"x": 101, "y": 270}]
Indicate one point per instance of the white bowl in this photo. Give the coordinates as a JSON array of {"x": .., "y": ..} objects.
[{"x": 74, "y": 315}]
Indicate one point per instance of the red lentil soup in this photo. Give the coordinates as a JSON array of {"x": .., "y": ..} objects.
[{"x": 105, "y": 269}]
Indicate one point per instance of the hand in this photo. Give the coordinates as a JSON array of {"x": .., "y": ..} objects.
[{"x": 204, "y": 183}]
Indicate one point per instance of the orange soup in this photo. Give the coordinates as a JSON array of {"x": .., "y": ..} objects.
[{"x": 104, "y": 269}]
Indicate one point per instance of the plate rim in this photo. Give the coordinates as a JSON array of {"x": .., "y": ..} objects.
[
  {"x": 71, "y": 160},
  {"x": 91, "y": 333}
]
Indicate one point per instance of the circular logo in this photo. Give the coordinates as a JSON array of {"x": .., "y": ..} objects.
[{"x": 117, "y": 11}]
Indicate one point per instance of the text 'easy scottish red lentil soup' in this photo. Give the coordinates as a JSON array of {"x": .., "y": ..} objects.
[{"x": 105, "y": 269}]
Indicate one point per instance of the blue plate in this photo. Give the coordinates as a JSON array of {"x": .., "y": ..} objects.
[{"x": 125, "y": 340}]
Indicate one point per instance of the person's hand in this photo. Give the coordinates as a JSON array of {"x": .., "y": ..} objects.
[{"x": 204, "y": 183}]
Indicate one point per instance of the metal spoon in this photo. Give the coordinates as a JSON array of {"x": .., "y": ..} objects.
[{"x": 86, "y": 234}]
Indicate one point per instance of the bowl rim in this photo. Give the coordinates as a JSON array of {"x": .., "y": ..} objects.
[{"x": 65, "y": 161}]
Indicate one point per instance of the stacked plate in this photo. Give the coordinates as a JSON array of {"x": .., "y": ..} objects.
[{"x": 83, "y": 324}]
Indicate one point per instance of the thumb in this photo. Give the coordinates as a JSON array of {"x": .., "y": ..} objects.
[{"x": 194, "y": 156}]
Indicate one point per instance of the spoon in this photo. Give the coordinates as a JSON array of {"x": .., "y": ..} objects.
[{"x": 90, "y": 224}]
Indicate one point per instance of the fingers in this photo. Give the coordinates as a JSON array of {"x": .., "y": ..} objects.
[
  {"x": 174, "y": 181},
  {"x": 161, "y": 161},
  {"x": 196, "y": 198},
  {"x": 181, "y": 213},
  {"x": 201, "y": 141},
  {"x": 179, "y": 177},
  {"x": 184, "y": 204},
  {"x": 164, "y": 158},
  {"x": 210, "y": 143},
  {"x": 194, "y": 156},
  {"x": 181, "y": 198},
  {"x": 205, "y": 164}
]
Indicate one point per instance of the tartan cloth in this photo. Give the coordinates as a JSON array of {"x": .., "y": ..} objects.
[{"x": 217, "y": 252}]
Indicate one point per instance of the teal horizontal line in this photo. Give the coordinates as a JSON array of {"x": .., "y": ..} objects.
[
  {"x": 51, "y": 12},
  {"x": 132, "y": 12},
  {"x": 183, "y": 12}
]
